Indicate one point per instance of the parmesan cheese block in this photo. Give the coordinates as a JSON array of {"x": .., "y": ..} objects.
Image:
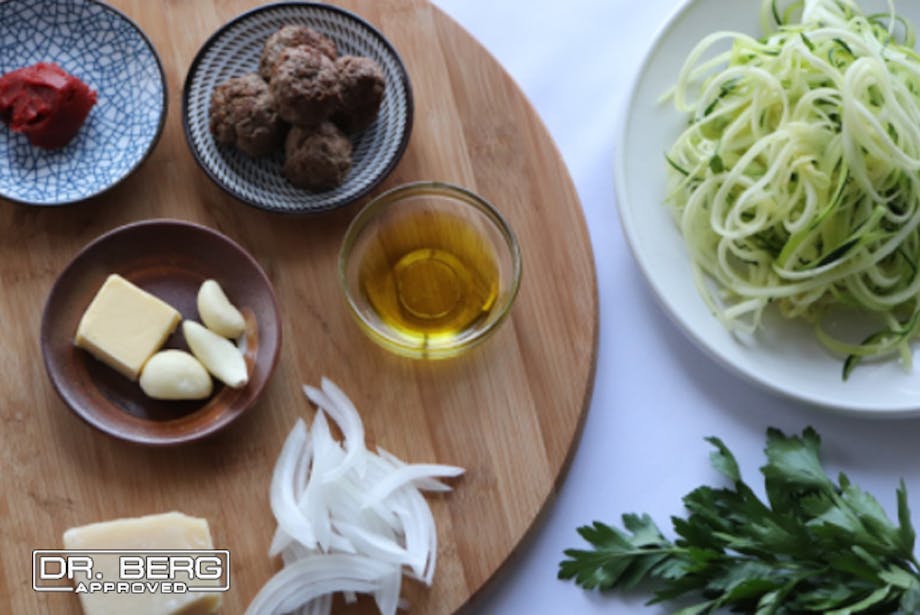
[
  {"x": 171, "y": 530},
  {"x": 124, "y": 325}
]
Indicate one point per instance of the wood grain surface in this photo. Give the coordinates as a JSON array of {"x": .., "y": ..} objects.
[{"x": 510, "y": 411}]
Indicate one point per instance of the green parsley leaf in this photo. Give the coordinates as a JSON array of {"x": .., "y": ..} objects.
[{"x": 815, "y": 546}]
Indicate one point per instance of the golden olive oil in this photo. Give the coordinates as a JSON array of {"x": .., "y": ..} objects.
[{"x": 430, "y": 277}]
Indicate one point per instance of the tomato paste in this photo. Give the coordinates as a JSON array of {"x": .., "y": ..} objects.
[{"x": 45, "y": 103}]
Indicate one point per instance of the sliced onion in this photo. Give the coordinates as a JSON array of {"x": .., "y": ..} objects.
[
  {"x": 281, "y": 494},
  {"x": 301, "y": 475},
  {"x": 341, "y": 544},
  {"x": 417, "y": 538},
  {"x": 280, "y": 541},
  {"x": 302, "y": 471},
  {"x": 387, "y": 597},
  {"x": 421, "y": 512},
  {"x": 376, "y": 546},
  {"x": 406, "y": 475},
  {"x": 318, "y": 606},
  {"x": 392, "y": 462},
  {"x": 296, "y": 551},
  {"x": 326, "y": 455},
  {"x": 343, "y": 412},
  {"x": 314, "y": 576},
  {"x": 348, "y": 507},
  {"x": 425, "y": 512},
  {"x": 349, "y": 519}
]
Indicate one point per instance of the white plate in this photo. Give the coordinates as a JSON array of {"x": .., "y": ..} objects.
[{"x": 784, "y": 356}]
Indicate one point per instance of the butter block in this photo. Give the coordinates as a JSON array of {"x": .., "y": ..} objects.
[
  {"x": 172, "y": 530},
  {"x": 124, "y": 325}
]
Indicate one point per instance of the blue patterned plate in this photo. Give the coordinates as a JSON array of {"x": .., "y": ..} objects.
[
  {"x": 109, "y": 53},
  {"x": 234, "y": 50}
]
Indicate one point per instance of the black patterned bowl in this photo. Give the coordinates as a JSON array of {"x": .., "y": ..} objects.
[
  {"x": 109, "y": 53},
  {"x": 234, "y": 50}
]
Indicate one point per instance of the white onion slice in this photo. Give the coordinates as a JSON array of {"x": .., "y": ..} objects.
[
  {"x": 296, "y": 551},
  {"x": 326, "y": 455},
  {"x": 387, "y": 597},
  {"x": 280, "y": 541},
  {"x": 341, "y": 544},
  {"x": 421, "y": 533},
  {"x": 432, "y": 543},
  {"x": 281, "y": 494},
  {"x": 416, "y": 538},
  {"x": 419, "y": 508},
  {"x": 318, "y": 606},
  {"x": 301, "y": 475},
  {"x": 392, "y": 462},
  {"x": 314, "y": 576},
  {"x": 376, "y": 546},
  {"x": 347, "y": 502},
  {"x": 321, "y": 439},
  {"x": 302, "y": 471},
  {"x": 406, "y": 475},
  {"x": 343, "y": 412}
]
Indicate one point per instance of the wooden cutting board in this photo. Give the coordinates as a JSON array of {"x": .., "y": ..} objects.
[{"x": 510, "y": 411}]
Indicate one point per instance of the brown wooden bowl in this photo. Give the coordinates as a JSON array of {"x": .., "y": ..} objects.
[{"x": 170, "y": 259}]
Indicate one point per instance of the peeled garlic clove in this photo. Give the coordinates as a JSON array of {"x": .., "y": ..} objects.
[
  {"x": 216, "y": 311},
  {"x": 175, "y": 374},
  {"x": 217, "y": 354}
]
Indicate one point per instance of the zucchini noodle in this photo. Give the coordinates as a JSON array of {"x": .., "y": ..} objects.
[{"x": 797, "y": 180}]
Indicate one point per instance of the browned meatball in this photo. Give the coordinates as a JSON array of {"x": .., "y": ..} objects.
[
  {"x": 305, "y": 86},
  {"x": 243, "y": 115},
  {"x": 293, "y": 36},
  {"x": 362, "y": 84},
  {"x": 317, "y": 159}
]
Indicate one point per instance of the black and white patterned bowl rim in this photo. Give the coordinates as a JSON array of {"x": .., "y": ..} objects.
[
  {"x": 109, "y": 52},
  {"x": 235, "y": 49}
]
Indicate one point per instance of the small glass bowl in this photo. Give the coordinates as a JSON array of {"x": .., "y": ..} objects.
[{"x": 429, "y": 269}]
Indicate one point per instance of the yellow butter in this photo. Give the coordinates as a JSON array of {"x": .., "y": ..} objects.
[
  {"x": 171, "y": 530},
  {"x": 124, "y": 325}
]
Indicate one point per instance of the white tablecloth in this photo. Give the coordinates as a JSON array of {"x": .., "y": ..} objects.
[{"x": 656, "y": 396}]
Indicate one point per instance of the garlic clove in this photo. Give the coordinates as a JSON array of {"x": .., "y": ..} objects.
[
  {"x": 217, "y": 354},
  {"x": 216, "y": 311},
  {"x": 174, "y": 375}
]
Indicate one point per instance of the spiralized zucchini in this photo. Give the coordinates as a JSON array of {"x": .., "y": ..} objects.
[{"x": 797, "y": 180}]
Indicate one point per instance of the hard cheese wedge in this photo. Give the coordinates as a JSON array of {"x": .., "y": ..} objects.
[
  {"x": 124, "y": 325},
  {"x": 171, "y": 530}
]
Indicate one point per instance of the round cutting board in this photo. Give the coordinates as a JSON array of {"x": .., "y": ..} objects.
[{"x": 510, "y": 411}]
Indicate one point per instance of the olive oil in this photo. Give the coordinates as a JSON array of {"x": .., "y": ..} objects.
[{"x": 430, "y": 277}]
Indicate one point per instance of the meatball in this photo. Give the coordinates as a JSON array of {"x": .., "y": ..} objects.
[
  {"x": 362, "y": 84},
  {"x": 305, "y": 86},
  {"x": 293, "y": 36},
  {"x": 317, "y": 159},
  {"x": 243, "y": 114}
]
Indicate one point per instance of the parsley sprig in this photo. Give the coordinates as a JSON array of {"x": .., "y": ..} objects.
[{"x": 815, "y": 546}]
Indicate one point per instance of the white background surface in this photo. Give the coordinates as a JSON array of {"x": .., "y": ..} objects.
[{"x": 656, "y": 395}]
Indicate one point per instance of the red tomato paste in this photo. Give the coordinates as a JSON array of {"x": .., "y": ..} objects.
[{"x": 45, "y": 103}]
